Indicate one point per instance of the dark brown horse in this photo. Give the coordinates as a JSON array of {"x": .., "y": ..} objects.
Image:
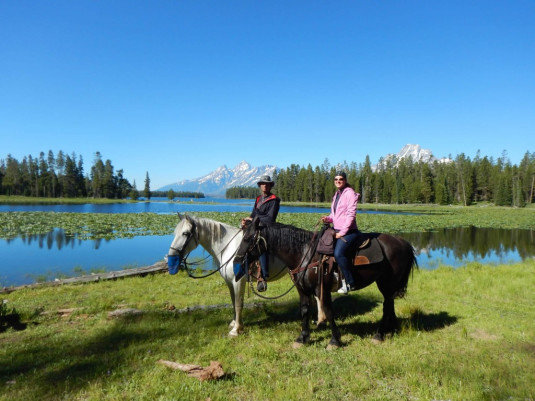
[{"x": 313, "y": 275}]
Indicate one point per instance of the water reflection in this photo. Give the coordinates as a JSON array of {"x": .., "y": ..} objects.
[
  {"x": 29, "y": 256},
  {"x": 57, "y": 239},
  {"x": 454, "y": 246}
]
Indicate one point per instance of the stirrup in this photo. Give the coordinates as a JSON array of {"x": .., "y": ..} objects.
[{"x": 261, "y": 286}]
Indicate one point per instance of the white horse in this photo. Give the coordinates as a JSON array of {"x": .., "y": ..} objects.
[{"x": 221, "y": 241}]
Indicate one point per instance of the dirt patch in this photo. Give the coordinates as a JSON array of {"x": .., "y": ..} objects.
[{"x": 481, "y": 334}]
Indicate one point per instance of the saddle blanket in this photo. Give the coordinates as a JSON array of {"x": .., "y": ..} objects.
[{"x": 368, "y": 252}]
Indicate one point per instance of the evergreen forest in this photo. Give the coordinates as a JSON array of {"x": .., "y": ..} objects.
[
  {"x": 63, "y": 175},
  {"x": 460, "y": 181}
]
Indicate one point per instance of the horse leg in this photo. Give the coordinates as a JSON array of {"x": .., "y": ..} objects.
[
  {"x": 304, "y": 307},
  {"x": 237, "y": 291},
  {"x": 389, "y": 320},
  {"x": 335, "y": 332},
  {"x": 322, "y": 317}
]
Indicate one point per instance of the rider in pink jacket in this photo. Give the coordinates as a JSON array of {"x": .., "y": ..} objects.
[{"x": 343, "y": 215}]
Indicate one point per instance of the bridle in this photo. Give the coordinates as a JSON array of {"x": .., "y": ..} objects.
[
  {"x": 259, "y": 241},
  {"x": 193, "y": 234},
  {"x": 256, "y": 243}
]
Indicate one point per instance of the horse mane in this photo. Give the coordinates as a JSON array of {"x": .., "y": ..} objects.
[
  {"x": 216, "y": 229},
  {"x": 283, "y": 236}
]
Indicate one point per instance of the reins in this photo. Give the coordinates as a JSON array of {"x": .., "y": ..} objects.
[
  {"x": 293, "y": 272},
  {"x": 251, "y": 286},
  {"x": 201, "y": 261}
]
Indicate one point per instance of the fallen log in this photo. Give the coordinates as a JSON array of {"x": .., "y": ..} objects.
[
  {"x": 158, "y": 267},
  {"x": 211, "y": 372}
]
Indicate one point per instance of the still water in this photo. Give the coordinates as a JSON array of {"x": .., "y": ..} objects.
[
  {"x": 164, "y": 206},
  {"x": 25, "y": 259},
  {"x": 160, "y": 206},
  {"x": 456, "y": 246}
]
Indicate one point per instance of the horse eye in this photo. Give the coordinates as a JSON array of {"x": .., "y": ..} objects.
[{"x": 185, "y": 233}]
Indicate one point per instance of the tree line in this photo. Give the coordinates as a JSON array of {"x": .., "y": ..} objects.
[
  {"x": 460, "y": 181},
  {"x": 242, "y": 193},
  {"x": 63, "y": 175},
  {"x": 172, "y": 194}
]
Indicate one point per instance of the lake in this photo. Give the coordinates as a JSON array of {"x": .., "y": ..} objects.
[
  {"x": 26, "y": 259},
  {"x": 164, "y": 206}
]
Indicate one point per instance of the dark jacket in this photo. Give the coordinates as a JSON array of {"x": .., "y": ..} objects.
[{"x": 266, "y": 210}]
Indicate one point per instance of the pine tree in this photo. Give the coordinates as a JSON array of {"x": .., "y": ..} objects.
[
  {"x": 134, "y": 193},
  {"x": 146, "y": 191}
]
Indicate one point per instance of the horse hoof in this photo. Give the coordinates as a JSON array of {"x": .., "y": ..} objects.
[
  {"x": 322, "y": 325},
  {"x": 234, "y": 332},
  {"x": 377, "y": 339},
  {"x": 297, "y": 345},
  {"x": 232, "y": 324}
]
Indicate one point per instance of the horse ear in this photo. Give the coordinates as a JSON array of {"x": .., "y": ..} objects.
[{"x": 180, "y": 217}]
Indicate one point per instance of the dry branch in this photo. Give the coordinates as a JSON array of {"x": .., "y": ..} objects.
[{"x": 214, "y": 371}]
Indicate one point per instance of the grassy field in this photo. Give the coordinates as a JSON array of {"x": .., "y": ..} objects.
[{"x": 465, "y": 334}]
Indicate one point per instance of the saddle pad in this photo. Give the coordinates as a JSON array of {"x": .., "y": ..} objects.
[{"x": 371, "y": 253}]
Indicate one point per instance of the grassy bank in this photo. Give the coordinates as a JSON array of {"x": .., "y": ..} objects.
[{"x": 466, "y": 334}]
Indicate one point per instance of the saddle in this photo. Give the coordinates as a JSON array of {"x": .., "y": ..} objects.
[{"x": 369, "y": 251}]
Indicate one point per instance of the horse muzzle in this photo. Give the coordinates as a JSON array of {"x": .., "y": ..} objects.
[{"x": 173, "y": 262}]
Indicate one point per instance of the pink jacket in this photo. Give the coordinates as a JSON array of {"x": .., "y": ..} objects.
[{"x": 344, "y": 218}]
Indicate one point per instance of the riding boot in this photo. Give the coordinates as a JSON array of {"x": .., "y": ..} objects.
[{"x": 264, "y": 269}]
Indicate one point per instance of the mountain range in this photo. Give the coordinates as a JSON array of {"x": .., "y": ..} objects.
[
  {"x": 219, "y": 180},
  {"x": 245, "y": 175},
  {"x": 417, "y": 153}
]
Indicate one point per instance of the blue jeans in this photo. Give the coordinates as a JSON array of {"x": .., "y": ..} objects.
[
  {"x": 264, "y": 265},
  {"x": 342, "y": 254}
]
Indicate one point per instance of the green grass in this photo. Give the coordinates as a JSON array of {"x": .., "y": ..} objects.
[{"x": 466, "y": 334}]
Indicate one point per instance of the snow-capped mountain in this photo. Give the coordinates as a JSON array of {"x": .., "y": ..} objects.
[
  {"x": 415, "y": 151},
  {"x": 219, "y": 180}
]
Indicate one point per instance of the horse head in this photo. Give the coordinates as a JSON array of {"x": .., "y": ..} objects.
[
  {"x": 251, "y": 245},
  {"x": 186, "y": 240}
]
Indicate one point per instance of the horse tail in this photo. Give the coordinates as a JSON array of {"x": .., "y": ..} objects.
[{"x": 407, "y": 267}]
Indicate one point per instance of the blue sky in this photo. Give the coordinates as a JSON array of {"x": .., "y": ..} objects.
[{"x": 178, "y": 88}]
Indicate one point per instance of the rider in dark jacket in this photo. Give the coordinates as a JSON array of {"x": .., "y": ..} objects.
[{"x": 266, "y": 209}]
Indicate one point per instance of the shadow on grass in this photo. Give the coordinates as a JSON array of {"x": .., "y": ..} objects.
[
  {"x": 427, "y": 321},
  {"x": 63, "y": 363},
  {"x": 11, "y": 320},
  {"x": 343, "y": 307}
]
